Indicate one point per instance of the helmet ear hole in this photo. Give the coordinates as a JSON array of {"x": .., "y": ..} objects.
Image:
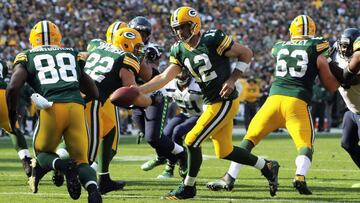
[{"x": 126, "y": 46}]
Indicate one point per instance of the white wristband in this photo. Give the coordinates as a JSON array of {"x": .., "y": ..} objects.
[{"x": 242, "y": 66}]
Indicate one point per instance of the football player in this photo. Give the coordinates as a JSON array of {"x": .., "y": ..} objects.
[
  {"x": 207, "y": 57},
  {"x": 187, "y": 95},
  {"x": 57, "y": 74},
  {"x": 111, "y": 113},
  {"x": 151, "y": 120},
  {"x": 346, "y": 57},
  {"x": 111, "y": 66},
  {"x": 16, "y": 136},
  {"x": 298, "y": 62}
]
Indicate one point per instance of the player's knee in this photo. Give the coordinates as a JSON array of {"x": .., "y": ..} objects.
[{"x": 222, "y": 153}]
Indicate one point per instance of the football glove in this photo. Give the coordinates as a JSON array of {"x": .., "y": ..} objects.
[
  {"x": 40, "y": 101},
  {"x": 153, "y": 53},
  {"x": 156, "y": 97}
]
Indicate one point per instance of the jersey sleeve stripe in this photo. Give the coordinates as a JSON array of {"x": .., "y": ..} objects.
[
  {"x": 174, "y": 60},
  {"x": 133, "y": 63},
  {"x": 322, "y": 46},
  {"x": 20, "y": 57},
  {"x": 224, "y": 44}
]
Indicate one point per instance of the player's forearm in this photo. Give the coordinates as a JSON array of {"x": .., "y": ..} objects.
[
  {"x": 354, "y": 65},
  {"x": 156, "y": 83},
  {"x": 143, "y": 100},
  {"x": 235, "y": 75}
]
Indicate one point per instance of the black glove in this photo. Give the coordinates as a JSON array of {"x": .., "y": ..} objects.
[
  {"x": 156, "y": 98},
  {"x": 153, "y": 53}
]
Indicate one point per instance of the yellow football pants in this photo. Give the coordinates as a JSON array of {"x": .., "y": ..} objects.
[
  {"x": 4, "y": 114},
  {"x": 216, "y": 123},
  {"x": 99, "y": 124},
  {"x": 67, "y": 120},
  {"x": 287, "y": 112}
]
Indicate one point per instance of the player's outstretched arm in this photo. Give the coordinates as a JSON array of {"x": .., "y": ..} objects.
[
  {"x": 327, "y": 79},
  {"x": 18, "y": 80},
  {"x": 354, "y": 65},
  {"x": 88, "y": 87},
  {"x": 161, "y": 80}
]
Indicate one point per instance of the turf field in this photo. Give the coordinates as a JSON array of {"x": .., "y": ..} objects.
[{"x": 330, "y": 176}]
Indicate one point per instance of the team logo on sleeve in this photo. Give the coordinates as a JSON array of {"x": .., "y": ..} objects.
[
  {"x": 129, "y": 35},
  {"x": 192, "y": 13}
]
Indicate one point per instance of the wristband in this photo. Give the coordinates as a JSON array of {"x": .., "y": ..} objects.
[{"x": 242, "y": 66}]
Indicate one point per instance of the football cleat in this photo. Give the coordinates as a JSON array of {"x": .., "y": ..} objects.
[
  {"x": 225, "y": 183},
  {"x": 58, "y": 178},
  {"x": 26, "y": 163},
  {"x": 109, "y": 185},
  {"x": 36, "y": 174},
  {"x": 94, "y": 197},
  {"x": 299, "y": 184},
  {"x": 149, "y": 165},
  {"x": 271, "y": 172},
  {"x": 167, "y": 173},
  {"x": 182, "y": 192},
  {"x": 72, "y": 180}
]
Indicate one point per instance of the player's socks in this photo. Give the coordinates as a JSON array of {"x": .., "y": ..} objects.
[
  {"x": 18, "y": 140},
  {"x": 106, "y": 153},
  {"x": 303, "y": 164},
  {"x": 194, "y": 160},
  {"x": 234, "y": 169},
  {"x": 242, "y": 156}
]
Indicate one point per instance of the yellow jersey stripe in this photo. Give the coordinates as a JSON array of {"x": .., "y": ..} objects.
[
  {"x": 131, "y": 62},
  {"x": 224, "y": 44},
  {"x": 174, "y": 60},
  {"x": 322, "y": 46}
]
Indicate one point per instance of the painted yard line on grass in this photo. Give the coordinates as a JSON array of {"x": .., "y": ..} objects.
[{"x": 155, "y": 196}]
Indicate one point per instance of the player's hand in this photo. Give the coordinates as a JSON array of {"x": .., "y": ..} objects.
[{"x": 227, "y": 88}]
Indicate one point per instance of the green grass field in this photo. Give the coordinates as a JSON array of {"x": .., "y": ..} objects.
[{"x": 330, "y": 177}]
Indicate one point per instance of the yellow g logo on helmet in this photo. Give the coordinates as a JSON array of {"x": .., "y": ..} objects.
[
  {"x": 112, "y": 29},
  {"x": 45, "y": 33},
  {"x": 129, "y": 35},
  {"x": 302, "y": 26},
  {"x": 128, "y": 40}
]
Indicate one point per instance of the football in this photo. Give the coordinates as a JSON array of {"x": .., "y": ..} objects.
[{"x": 124, "y": 96}]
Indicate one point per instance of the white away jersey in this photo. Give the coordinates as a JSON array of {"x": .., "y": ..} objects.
[
  {"x": 351, "y": 96},
  {"x": 189, "y": 100}
]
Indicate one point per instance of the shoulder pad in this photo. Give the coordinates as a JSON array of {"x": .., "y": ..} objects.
[{"x": 21, "y": 57}]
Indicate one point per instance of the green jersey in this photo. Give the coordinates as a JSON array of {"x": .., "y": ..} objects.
[
  {"x": 206, "y": 63},
  {"x": 3, "y": 73},
  {"x": 53, "y": 72},
  {"x": 93, "y": 44},
  {"x": 296, "y": 67},
  {"x": 103, "y": 66}
]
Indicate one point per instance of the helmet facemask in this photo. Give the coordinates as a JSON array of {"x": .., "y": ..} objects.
[
  {"x": 344, "y": 47},
  {"x": 184, "y": 32}
]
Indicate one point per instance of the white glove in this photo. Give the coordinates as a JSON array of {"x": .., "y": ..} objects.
[{"x": 40, "y": 101}]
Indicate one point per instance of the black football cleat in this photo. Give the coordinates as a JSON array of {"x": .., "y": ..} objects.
[
  {"x": 26, "y": 163},
  {"x": 299, "y": 184},
  {"x": 271, "y": 172},
  {"x": 72, "y": 180},
  {"x": 58, "y": 178},
  {"x": 110, "y": 185},
  {"x": 94, "y": 197},
  {"x": 182, "y": 192}
]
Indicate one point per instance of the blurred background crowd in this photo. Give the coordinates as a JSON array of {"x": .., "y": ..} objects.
[{"x": 257, "y": 24}]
